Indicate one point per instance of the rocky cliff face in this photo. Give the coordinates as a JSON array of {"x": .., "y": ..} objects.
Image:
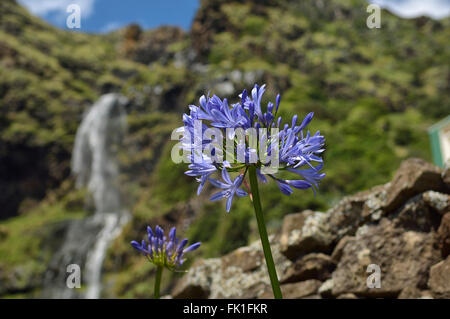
[{"x": 402, "y": 226}]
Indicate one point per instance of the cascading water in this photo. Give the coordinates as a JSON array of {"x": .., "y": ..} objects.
[{"x": 94, "y": 163}]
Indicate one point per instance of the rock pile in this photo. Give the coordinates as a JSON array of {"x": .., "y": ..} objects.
[{"x": 402, "y": 227}]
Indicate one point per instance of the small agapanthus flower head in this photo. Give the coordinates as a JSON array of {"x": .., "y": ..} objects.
[
  {"x": 297, "y": 151},
  {"x": 164, "y": 251}
]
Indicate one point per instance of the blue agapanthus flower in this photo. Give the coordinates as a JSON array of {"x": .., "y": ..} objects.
[
  {"x": 230, "y": 188},
  {"x": 163, "y": 251},
  {"x": 297, "y": 151}
]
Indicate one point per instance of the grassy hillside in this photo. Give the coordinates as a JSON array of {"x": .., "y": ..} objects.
[{"x": 374, "y": 93}]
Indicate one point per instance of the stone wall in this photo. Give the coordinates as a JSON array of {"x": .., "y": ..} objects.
[{"x": 402, "y": 226}]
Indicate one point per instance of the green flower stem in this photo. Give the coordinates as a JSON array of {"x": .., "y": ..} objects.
[
  {"x": 263, "y": 233},
  {"x": 159, "y": 271}
]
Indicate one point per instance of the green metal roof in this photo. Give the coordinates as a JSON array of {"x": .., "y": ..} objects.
[
  {"x": 440, "y": 124},
  {"x": 433, "y": 132}
]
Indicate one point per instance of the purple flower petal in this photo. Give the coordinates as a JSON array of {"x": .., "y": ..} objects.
[
  {"x": 192, "y": 247},
  {"x": 218, "y": 195},
  {"x": 285, "y": 188},
  {"x": 229, "y": 202},
  {"x": 226, "y": 176}
]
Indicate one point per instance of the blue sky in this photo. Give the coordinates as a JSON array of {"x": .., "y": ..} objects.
[{"x": 107, "y": 15}]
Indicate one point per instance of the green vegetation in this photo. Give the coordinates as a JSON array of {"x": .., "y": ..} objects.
[{"x": 27, "y": 242}]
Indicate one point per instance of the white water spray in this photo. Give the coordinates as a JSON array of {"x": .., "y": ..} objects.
[{"x": 94, "y": 163}]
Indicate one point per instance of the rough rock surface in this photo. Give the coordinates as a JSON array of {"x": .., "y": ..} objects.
[
  {"x": 240, "y": 274},
  {"x": 347, "y": 296},
  {"x": 302, "y": 289},
  {"x": 310, "y": 231},
  {"x": 438, "y": 201},
  {"x": 444, "y": 235},
  {"x": 439, "y": 281},
  {"x": 412, "y": 292},
  {"x": 404, "y": 257},
  {"x": 305, "y": 232},
  {"x": 446, "y": 175},
  {"x": 403, "y": 227},
  {"x": 413, "y": 177},
  {"x": 312, "y": 266}
]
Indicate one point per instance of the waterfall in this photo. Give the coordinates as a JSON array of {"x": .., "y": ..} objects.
[
  {"x": 94, "y": 160},
  {"x": 95, "y": 166},
  {"x": 112, "y": 224}
]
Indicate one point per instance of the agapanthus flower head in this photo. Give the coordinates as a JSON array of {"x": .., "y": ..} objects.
[
  {"x": 164, "y": 251},
  {"x": 289, "y": 147}
]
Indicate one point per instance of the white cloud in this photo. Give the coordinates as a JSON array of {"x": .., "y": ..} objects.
[
  {"x": 44, "y": 7},
  {"x": 436, "y": 9}
]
